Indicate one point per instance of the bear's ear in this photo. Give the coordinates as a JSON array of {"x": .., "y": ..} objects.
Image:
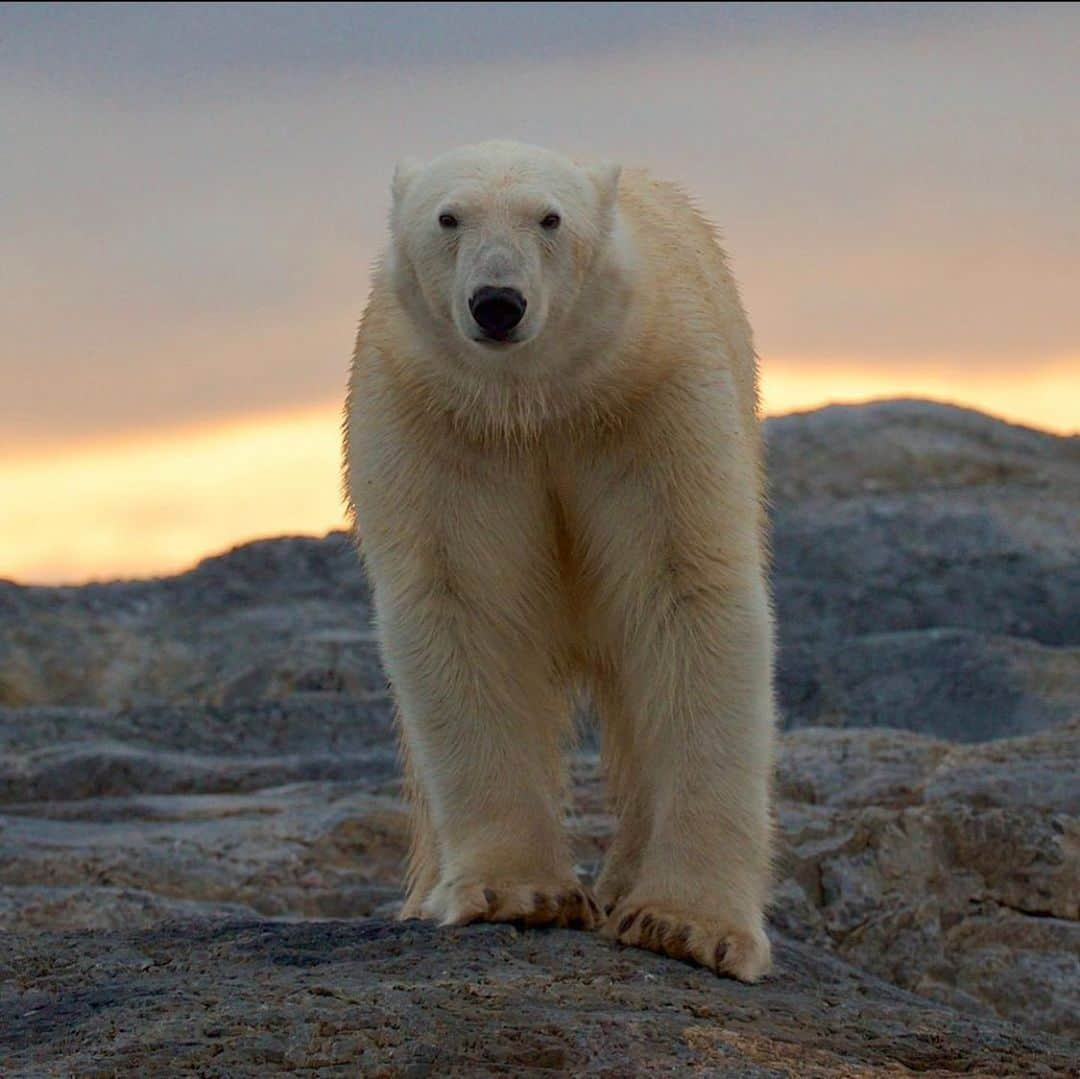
[
  {"x": 606, "y": 179},
  {"x": 404, "y": 171}
]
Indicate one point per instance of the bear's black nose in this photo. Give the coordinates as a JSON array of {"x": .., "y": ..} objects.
[{"x": 497, "y": 310}]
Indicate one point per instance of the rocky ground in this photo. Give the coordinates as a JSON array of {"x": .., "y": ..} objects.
[{"x": 201, "y": 829}]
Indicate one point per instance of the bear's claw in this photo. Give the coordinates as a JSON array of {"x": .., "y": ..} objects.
[
  {"x": 566, "y": 904},
  {"x": 709, "y": 942}
]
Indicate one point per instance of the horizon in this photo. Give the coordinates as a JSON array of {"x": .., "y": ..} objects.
[
  {"x": 163, "y": 568},
  {"x": 194, "y": 194}
]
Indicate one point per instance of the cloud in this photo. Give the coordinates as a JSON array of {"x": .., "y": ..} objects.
[{"x": 157, "y": 47}]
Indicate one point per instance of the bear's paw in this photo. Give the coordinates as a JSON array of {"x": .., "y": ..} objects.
[
  {"x": 562, "y": 903},
  {"x": 709, "y": 941}
]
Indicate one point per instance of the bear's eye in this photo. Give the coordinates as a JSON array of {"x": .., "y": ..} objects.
[
  {"x": 551, "y": 221},
  {"x": 448, "y": 221}
]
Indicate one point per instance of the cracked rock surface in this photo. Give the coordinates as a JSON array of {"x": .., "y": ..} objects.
[
  {"x": 383, "y": 998},
  {"x": 201, "y": 827}
]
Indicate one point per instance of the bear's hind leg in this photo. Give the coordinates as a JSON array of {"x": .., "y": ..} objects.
[
  {"x": 422, "y": 872},
  {"x": 623, "y": 774}
]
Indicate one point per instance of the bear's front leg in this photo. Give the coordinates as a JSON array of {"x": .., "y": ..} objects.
[
  {"x": 700, "y": 674},
  {"x": 464, "y": 607},
  {"x": 684, "y": 623}
]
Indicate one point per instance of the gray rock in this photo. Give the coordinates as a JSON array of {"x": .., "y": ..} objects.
[
  {"x": 853, "y": 767},
  {"x": 297, "y": 724},
  {"x": 927, "y": 575},
  {"x": 891, "y": 843},
  {"x": 179, "y": 753},
  {"x": 954, "y": 683},
  {"x": 105, "y": 770},
  {"x": 909, "y": 445},
  {"x": 279, "y": 615},
  {"x": 896, "y": 847},
  {"x": 906, "y": 515},
  {"x": 376, "y": 998},
  {"x": 306, "y": 850}
]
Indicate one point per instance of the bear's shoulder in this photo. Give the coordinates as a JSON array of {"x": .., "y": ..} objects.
[
  {"x": 659, "y": 201},
  {"x": 669, "y": 222}
]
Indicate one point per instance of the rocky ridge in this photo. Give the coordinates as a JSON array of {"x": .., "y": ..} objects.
[{"x": 198, "y": 788}]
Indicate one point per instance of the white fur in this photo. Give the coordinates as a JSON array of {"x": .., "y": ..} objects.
[{"x": 583, "y": 506}]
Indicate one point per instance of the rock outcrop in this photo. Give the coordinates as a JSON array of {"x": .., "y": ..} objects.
[
  {"x": 197, "y": 772},
  {"x": 242, "y": 998}
]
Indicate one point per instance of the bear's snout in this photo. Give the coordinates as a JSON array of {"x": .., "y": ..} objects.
[{"x": 497, "y": 310}]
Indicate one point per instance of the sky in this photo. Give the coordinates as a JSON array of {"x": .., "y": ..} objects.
[{"x": 191, "y": 196}]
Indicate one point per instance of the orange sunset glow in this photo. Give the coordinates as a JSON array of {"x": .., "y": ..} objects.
[{"x": 157, "y": 502}]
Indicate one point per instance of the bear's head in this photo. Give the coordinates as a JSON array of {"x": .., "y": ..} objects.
[{"x": 492, "y": 244}]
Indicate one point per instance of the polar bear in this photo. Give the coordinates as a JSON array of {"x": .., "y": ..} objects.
[{"x": 554, "y": 469}]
